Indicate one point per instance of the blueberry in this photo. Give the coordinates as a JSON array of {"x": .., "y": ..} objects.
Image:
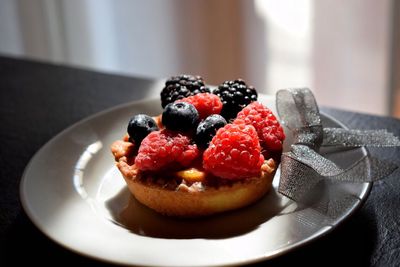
[
  {"x": 140, "y": 126},
  {"x": 207, "y": 129},
  {"x": 180, "y": 116}
]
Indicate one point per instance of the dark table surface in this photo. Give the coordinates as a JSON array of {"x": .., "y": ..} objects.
[{"x": 38, "y": 100}]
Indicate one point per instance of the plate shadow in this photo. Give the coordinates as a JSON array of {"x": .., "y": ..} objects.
[{"x": 127, "y": 212}]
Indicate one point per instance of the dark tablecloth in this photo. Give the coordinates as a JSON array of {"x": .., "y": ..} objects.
[{"x": 38, "y": 100}]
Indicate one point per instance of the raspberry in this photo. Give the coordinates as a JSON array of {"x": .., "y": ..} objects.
[
  {"x": 269, "y": 131},
  {"x": 234, "y": 153},
  {"x": 165, "y": 149},
  {"x": 205, "y": 103}
]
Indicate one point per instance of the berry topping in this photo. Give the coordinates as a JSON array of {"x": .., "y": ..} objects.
[
  {"x": 207, "y": 129},
  {"x": 181, "y": 116},
  {"x": 269, "y": 131},
  {"x": 164, "y": 150},
  {"x": 140, "y": 126},
  {"x": 178, "y": 87},
  {"x": 234, "y": 153},
  {"x": 205, "y": 103},
  {"x": 235, "y": 95}
]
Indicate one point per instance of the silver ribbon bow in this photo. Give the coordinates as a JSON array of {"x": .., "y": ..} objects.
[{"x": 302, "y": 168}]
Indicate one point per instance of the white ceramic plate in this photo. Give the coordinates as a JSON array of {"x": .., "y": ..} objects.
[{"x": 74, "y": 194}]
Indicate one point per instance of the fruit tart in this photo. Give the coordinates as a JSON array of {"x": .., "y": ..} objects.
[{"x": 207, "y": 153}]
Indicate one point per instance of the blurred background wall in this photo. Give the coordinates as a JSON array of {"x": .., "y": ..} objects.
[{"x": 345, "y": 51}]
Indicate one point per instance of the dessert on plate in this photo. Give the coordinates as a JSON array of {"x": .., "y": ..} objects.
[{"x": 208, "y": 152}]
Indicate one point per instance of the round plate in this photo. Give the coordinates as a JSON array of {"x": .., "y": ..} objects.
[{"x": 72, "y": 192}]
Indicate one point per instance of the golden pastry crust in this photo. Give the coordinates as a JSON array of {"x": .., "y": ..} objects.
[{"x": 196, "y": 199}]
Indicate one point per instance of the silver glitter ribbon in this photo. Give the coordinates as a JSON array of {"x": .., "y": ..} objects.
[{"x": 303, "y": 167}]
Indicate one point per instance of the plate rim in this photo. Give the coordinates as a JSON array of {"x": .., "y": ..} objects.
[{"x": 263, "y": 257}]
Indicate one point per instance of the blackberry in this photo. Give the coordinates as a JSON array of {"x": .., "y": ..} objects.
[
  {"x": 180, "y": 116},
  {"x": 207, "y": 129},
  {"x": 181, "y": 86},
  {"x": 140, "y": 126},
  {"x": 235, "y": 95}
]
